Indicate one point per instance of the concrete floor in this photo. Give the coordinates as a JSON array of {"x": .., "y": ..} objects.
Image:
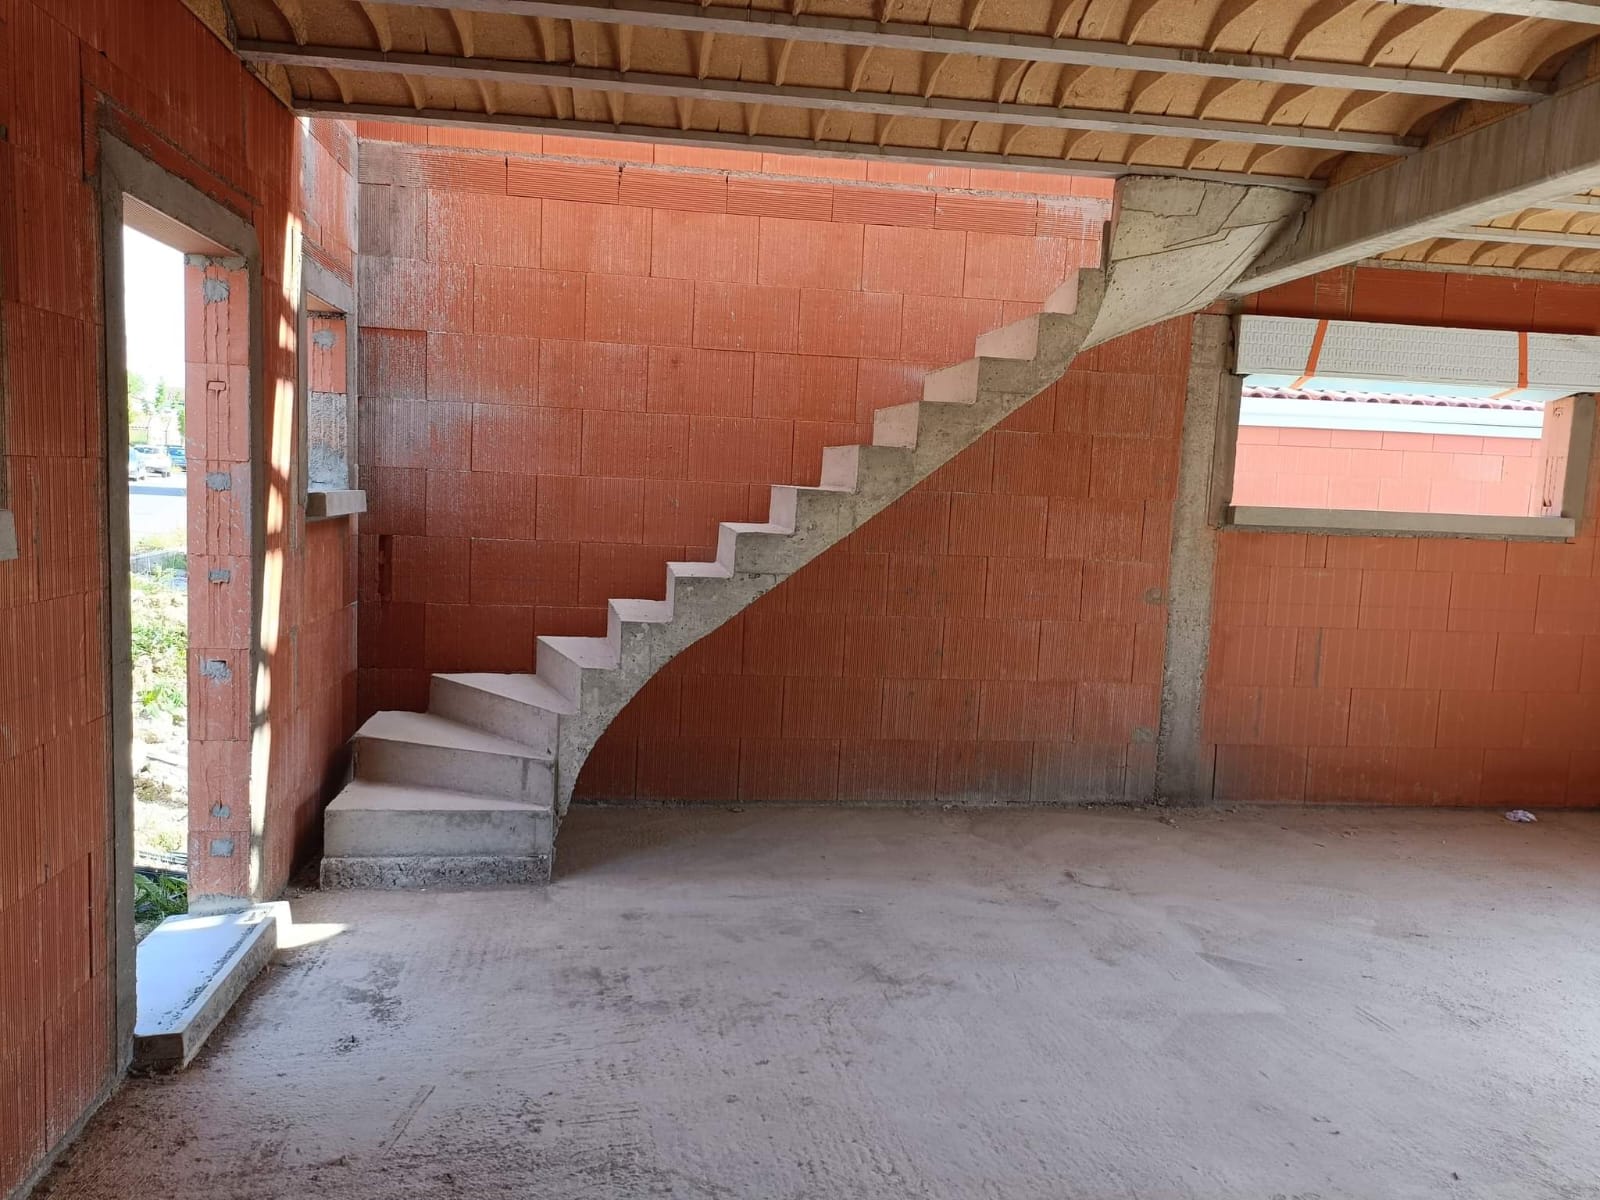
[{"x": 803, "y": 1003}]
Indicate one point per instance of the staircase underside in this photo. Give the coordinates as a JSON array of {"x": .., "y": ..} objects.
[{"x": 472, "y": 791}]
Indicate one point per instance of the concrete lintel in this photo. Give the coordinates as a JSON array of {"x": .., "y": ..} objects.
[
  {"x": 1532, "y": 157},
  {"x": 1183, "y": 768},
  {"x": 8, "y": 535},
  {"x": 335, "y": 502},
  {"x": 191, "y": 970},
  {"x": 323, "y": 284},
  {"x": 1371, "y": 523}
]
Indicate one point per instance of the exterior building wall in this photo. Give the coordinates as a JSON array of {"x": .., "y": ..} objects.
[
  {"x": 1392, "y": 472},
  {"x": 1410, "y": 670},
  {"x": 152, "y": 74}
]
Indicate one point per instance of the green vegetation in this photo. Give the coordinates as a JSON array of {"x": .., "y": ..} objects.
[
  {"x": 160, "y": 649},
  {"x": 154, "y": 414},
  {"x": 158, "y": 898}
]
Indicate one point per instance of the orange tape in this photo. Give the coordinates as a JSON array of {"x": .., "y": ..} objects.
[
  {"x": 1522, "y": 370},
  {"x": 1316, "y": 353}
]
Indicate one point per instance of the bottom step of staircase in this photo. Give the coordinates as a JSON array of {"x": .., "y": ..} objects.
[{"x": 390, "y": 836}]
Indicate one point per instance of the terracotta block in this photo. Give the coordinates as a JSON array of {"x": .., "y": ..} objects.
[
  {"x": 936, "y": 585},
  {"x": 479, "y": 637},
  {"x": 1265, "y": 655},
  {"x": 1110, "y": 714},
  {"x": 398, "y": 433},
  {"x": 474, "y": 227},
  {"x": 1563, "y": 308},
  {"x": 1314, "y": 596},
  {"x": 476, "y": 504},
  {"x": 883, "y": 206},
  {"x": 925, "y": 262},
  {"x": 730, "y": 449},
  {"x": 654, "y": 312},
  {"x": 831, "y": 708},
  {"x": 719, "y": 247},
  {"x": 594, "y": 238},
  {"x": 1001, "y": 266},
  {"x": 878, "y": 772},
  {"x": 1001, "y": 526},
  {"x": 1372, "y": 658},
  {"x": 1493, "y": 602},
  {"x": 593, "y": 376},
  {"x": 1025, "y": 711},
  {"x": 919, "y": 175},
  {"x": 621, "y": 572},
  {"x": 780, "y": 198},
  {"x": 1105, "y": 530},
  {"x": 777, "y": 642},
  {"x": 972, "y": 470},
  {"x": 1550, "y": 558},
  {"x": 1405, "y": 599},
  {"x": 732, "y": 316},
  {"x": 1566, "y": 604},
  {"x": 1389, "y": 717},
  {"x": 988, "y": 772},
  {"x": 898, "y": 646},
  {"x": 656, "y": 711},
  {"x": 1034, "y": 589},
  {"x": 1472, "y": 720},
  {"x": 1524, "y": 778},
  {"x": 611, "y": 770},
  {"x": 1489, "y": 302},
  {"x": 811, "y": 438},
  {"x": 917, "y": 523},
  {"x": 1554, "y": 721},
  {"x": 1076, "y": 651},
  {"x": 882, "y": 384},
  {"x": 945, "y": 329},
  {"x": 401, "y": 293},
  {"x": 686, "y": 191},
  {"x": 419, "y": 569},
  {"x": 805, "y": 386},
  {"x": 710, "y": 382},
  {"x": 930, "y": 709},
  {"x": 518, "y": 439},
  {"x": 1538, "y": 662},
  {"x": 1373, "y": 553},
  {"x": 635, "y": 444},
  {"x": 472, "y": 367},
  {"x": 720, "y": 652},
  {"x": 1392, "y": 775},
  {"x": 594, "y": 183},
  {"x": 1069, "y": 773},
  {"x": 523, "y": 572},
  {"x": 1456, "y": 660},
  {"x": 809, "y": 254},
  {"x": 677, "y": 512},
  {"x": 733, "y": 706},
  {"x": 1270, "y": 550},
  {"x": 1124, "y": 592},
  {"x": 706, "y": 159},
  {"x": 688, "y": 769},
  {"x": 1260, "y": 774},
  {"x": 590, "y": 508},
  {"x": 794, "y": 770},
  {"x": 521, "y": 303},
  {"x": 990, "y": 649},
  {"x": 856, "y": 324},
  {"x": 1277, "y": 716},
  {"x": 1407, "y": 296},
  {"x": 841, "y": 581}
]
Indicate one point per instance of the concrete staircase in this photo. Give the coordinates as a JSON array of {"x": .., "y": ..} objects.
[{"x": 472, "y": 791}]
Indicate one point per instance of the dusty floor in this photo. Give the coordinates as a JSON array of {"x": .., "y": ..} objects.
[{"x": 789, "y": 1004}]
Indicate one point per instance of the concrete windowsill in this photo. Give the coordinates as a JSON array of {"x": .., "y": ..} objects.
[
  {"x": 8, "y": 535},
  {"x": 335, "y": 502},
  {"x": 1370, "y": 523}
]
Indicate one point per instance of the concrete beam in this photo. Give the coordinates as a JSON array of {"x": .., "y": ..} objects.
[
  {"x": 1370, "y": 523},
  {"x": 718, "y": 140},
  {"x": 637, "y": 83},
  {"x": 1529, "y": 159},
  {"x": 1583, "y": 12},
  {"x": 946, "y": 39}
]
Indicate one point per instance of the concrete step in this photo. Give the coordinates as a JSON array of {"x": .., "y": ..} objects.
[
  {"x": 428, "y": 750},
  {"x": 631, "y": 625},
  {"x": 755, "y": 549},
  {"x": 522, "y": 708},
  {"x": 562, "y": 661},
  {"x": 385, "y": 820}
]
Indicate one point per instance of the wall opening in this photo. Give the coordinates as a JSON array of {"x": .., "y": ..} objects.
[{"x": 1367, "y": 428}]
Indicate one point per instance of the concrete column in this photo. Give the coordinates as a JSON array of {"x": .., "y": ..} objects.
[{"x": 1183, "y": 766}]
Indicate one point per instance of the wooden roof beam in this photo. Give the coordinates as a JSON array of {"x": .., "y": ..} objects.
[
  {"x": 823, "y": 99},
  {"x": 954, "y": 39},
  {"x": 1526, "y": 237},
  {"x": 1531, "y": 159},
  {"x": 719, "y": 140}
]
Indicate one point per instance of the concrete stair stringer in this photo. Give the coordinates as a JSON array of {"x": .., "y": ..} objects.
[{"x": 1175, "y": 247}]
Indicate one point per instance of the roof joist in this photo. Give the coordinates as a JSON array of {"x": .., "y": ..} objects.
[
  {"x": 1583, "y": 12},
  {"x": 823, "y": 99},
  {"x": 717, "y": 140},
  {"x": 955, "y": 39}
]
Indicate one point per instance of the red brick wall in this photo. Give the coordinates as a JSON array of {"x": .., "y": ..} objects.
[
  {"x": 156, "y": 75},
  {"x": 1406, "y": 670},
  {"x": 573, "y": 369},
  {"x": 1393, "y": 472}
]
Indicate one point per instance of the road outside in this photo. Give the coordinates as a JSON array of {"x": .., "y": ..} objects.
[{"x": 157, "y": 507}]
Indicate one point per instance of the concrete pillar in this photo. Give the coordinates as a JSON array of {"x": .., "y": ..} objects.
[{"x": 1210, "y": 413}]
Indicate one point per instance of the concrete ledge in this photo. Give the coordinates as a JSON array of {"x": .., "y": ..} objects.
[
  {"x": 190, "y": 971},
  {"x": 8, "y": 535},
  {"x": 1370, "y": 523},
  {"x": 438, "y": 871},
  {"x": 343, "y": 502}
]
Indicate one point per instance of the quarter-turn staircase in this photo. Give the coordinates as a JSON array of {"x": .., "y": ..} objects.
[{"x": 471, "y": 791}]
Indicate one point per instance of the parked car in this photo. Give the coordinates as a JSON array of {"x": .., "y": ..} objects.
[
  {"x": 156, "y": 460},
  {"x": 136, "y": 469},
  {"x": 179, "y": 457}
]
